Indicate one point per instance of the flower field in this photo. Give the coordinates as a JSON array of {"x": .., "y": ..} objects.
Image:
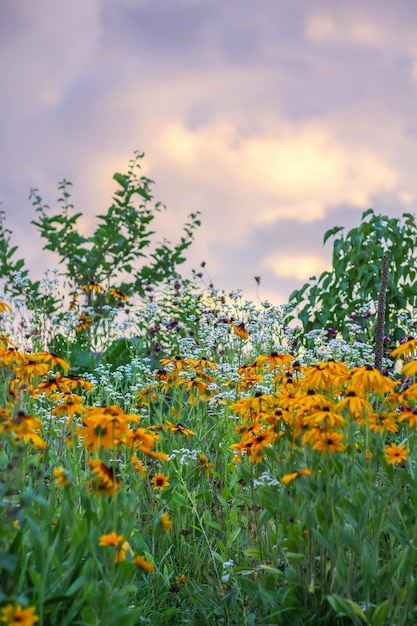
[
  {"x": 217, "y": 467},
  {"x": 171, "y": 454}
]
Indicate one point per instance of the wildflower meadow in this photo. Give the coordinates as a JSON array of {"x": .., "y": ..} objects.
[{"x": 173, "y": 454}]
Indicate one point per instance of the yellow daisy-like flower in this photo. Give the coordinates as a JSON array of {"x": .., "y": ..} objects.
[
  {"x": 289, "y": 477},
  {"x": 16, "y": 615},
  {"x": 160, "y": 481},
  {"x": 121, "y": 554},
  {"x": 139, "y": 466},
  {"x": 5, "y": 307},
  {"x": 178, "y": 428},
  {"x": 410, "y": 369},
  {"x": 83, "y": 322},
  {"x": 93, "y": 286},
  {"x": 405, "y": 349},
  {"x": 112, "y": 539},
  {"x": 241, "y": 331},
  {"x": 117, "y": 294},
  {"x": 143, "y": 563},
  {"x": 367, "y": 378},
  {"x": 165, "y": 521},
  {"x": 161, "y": 456},
  {"x": 329, "y": 442},
  {"x": 60, "y": 476},
  {"x": 395, "y": 454},
  {"x": 203, "y": 463}
]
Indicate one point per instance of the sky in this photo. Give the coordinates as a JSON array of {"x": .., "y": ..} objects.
[{"x": 276, "y": 119}]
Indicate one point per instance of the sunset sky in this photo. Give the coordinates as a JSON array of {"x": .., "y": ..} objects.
[{"x": 277, "y": 119}]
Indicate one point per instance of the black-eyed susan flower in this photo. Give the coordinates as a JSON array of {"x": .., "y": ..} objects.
[
  {"x": 111, "y": 539},
  {"x": 293, "y": 475},
  {"x": 410, "y": 416},
  {"x": 71, "y": 405},
  {"x": 124, "y": 550},
  {"x": 165, "y": 521},
  {"x": 395, "y": 454},
  {"x": 240, "y": 331},
  {"x": 143, "y": 563},
  {"x": 367, "y": 378},
  {"x": 51, "y": 359},
  {"x": 179, "y": 363},
  {"x": 329, "y": 442},
  {"x": 60, "y": 476},
  {"x": 93, "y": 286},
  {"x": 160, "y": 456},
  {"x": 409, "y": 369},
  {"x": 283, "y": 361},
  {"x": 105, "y": 480},
  {"x": 380, "y": 422},
  {"x": 356, "y": 405},
  {"x": 16, "y": 615},
  {"x": 405, "y": 349},
  {"x": 139, "y": 466},
  {"x": 160, "y": 481},
  {"x": 117, "y": 294},
  {"x": 203, "y": 463},
  {"x": 74, "y": 304},
  {"x": 83, "y": 322},
  {"x": 178, "y": 428}
]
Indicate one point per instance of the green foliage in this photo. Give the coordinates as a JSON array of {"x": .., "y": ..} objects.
[
  {"x": 340, "y": 295},
  {"x": 121, "y": 254}
]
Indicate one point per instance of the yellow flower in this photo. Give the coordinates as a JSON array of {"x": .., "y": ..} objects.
[
  {"x": 329, "y": 442},
  {"x": 83, "y": 322},
  {"x": 143, "y": 563},
  {"x": 118, "y": 295},
  {"x": 178, "y": 428},
  {"x": 16, "y": 615},
  {"x": 289, "y": 477},
  {"x": 405, "y": 349},
  {"x": 241, "y": 331},
  {"x": 283, "y": 361},
  {"x": 93, "y": 286},
  {"x": 203, "y": 463},
  {"x": 5, "y": 307},
  {"x": 52, "y": 359},
  {"x": 166, "y": 521},
  {"x": 106, "y": 481},
  {"x": 112, "y": 539},
  {"x": 139, "y": 466},
  {"x": 378, "y": 422},
  {"x": 410, "y": 416},
  {"x": 160, "y": 481},
  {"x": 395, "y": 454},
  {"x": 410, "y": 369},
  {"x": 367, "y": 378},
  {"x": 60, "y": 475},
  {"x": 121, "y": 554},
  {"x": 161, "y": 456}
]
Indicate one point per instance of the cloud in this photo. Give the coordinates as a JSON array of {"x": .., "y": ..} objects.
[
  {"x": 298, "y": 171},
  {"x": 295, "y": 265}
]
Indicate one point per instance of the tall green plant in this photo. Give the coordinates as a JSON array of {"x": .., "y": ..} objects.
[
  {"x": 355, "y": 278},
  {"x": 121, "y": 253}
]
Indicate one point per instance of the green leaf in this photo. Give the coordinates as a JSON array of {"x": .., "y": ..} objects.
[
  {"x": 380, "y": 614},
  {"x": 346, "y": 607},
  {"x": 331, "y": 232}
]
